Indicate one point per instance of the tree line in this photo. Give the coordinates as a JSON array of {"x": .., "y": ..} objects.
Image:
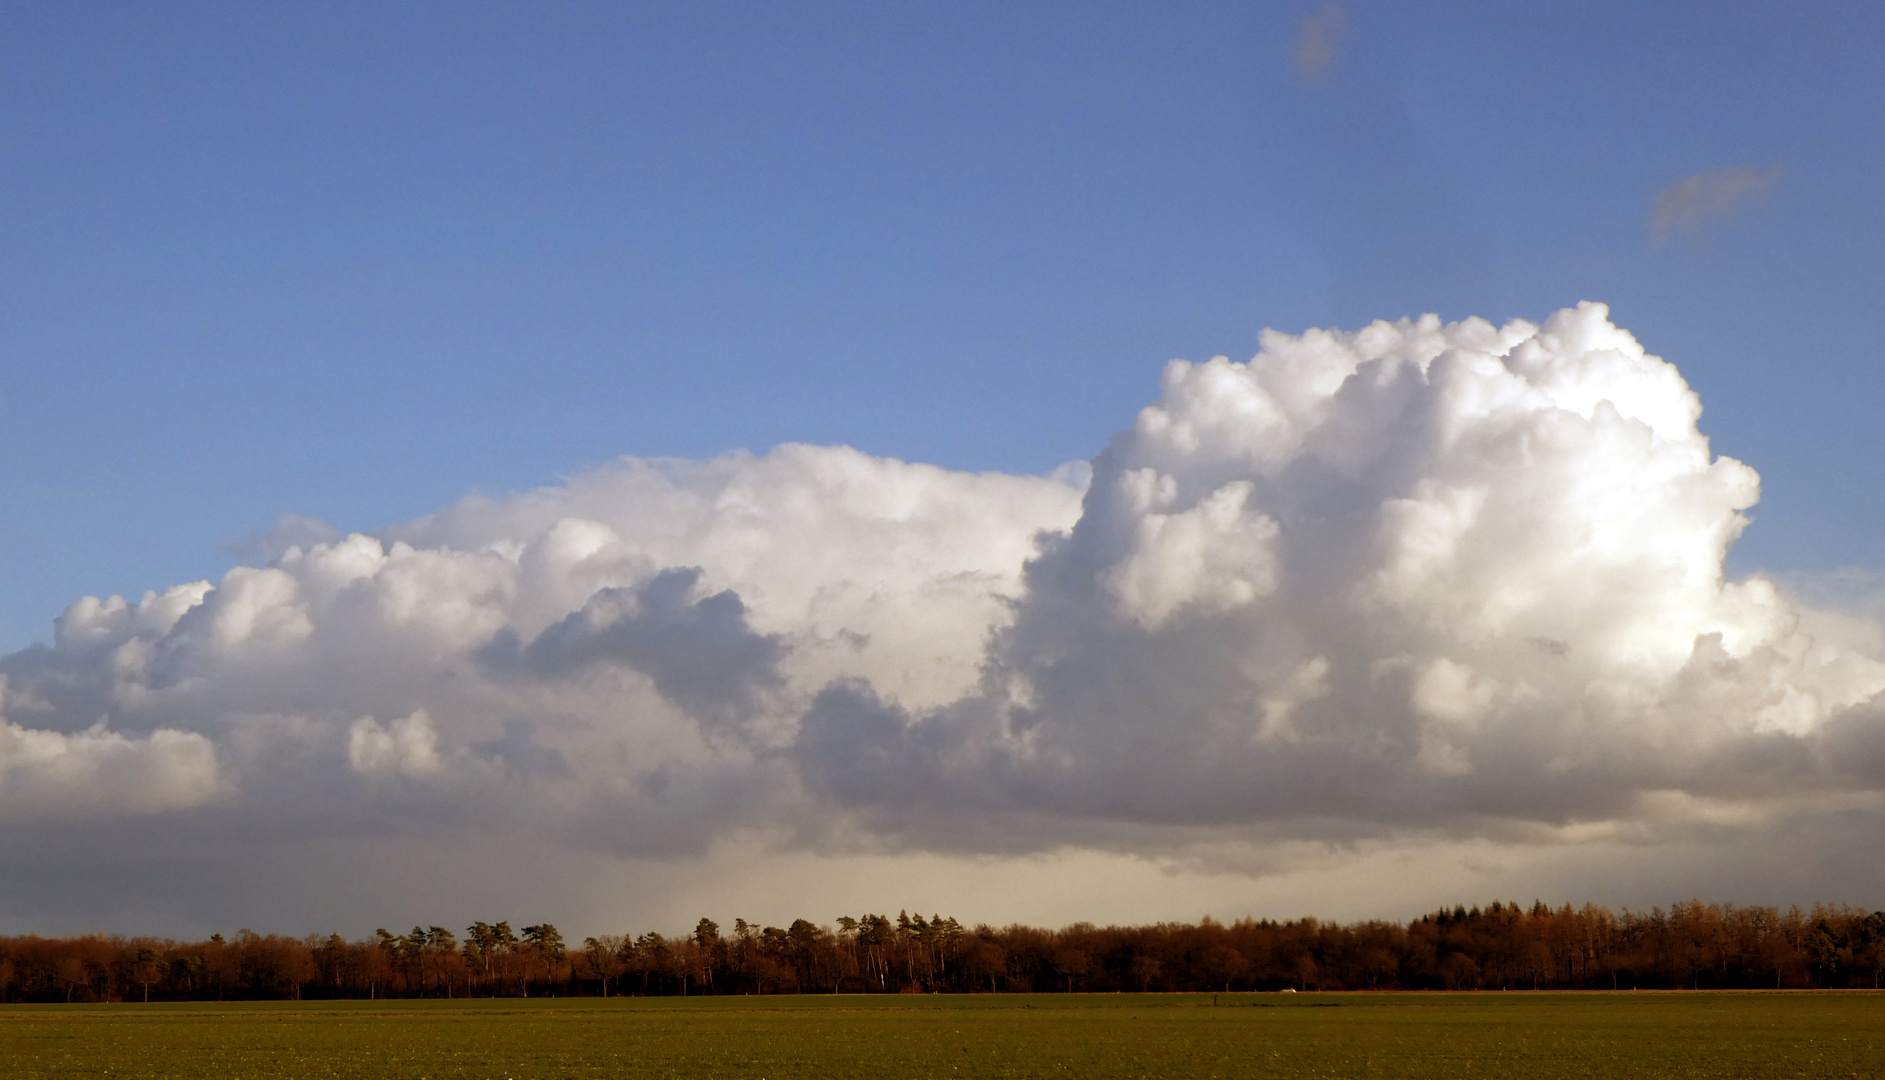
[{"x": 1502, "y": 946}]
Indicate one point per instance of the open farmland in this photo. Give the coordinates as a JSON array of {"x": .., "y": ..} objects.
[{"x": 1816, "y": 1034}]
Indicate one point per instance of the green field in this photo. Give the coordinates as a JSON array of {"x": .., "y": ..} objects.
[{"x": 1810, "y": 1034}]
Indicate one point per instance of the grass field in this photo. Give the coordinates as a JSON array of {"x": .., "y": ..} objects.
[{"x": 1814, "y": 1034}]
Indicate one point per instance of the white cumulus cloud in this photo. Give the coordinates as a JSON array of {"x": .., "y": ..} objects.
[
  {"x": 1419, "y": 583},
  {"x": 407, "y": 745},
  {"x": 1473, "y": 572},
  {"x": 98, "y": 773}
]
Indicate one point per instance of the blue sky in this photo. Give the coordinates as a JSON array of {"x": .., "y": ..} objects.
[{"x": 353, "y": 263}]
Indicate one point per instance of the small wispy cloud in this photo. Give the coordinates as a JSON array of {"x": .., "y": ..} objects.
[
  {"x": 1316, "y": 41},
  {"x": 1687, "y": 206}
]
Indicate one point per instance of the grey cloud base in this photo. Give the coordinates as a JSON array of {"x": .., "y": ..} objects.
[{"x": 1417, "y": 585}]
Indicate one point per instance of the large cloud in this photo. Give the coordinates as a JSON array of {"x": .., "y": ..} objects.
[
  {"x": 1461, "y": 577},
  {"x": 616, "y": 661},
  {"x": 1415, "y": 584}
]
